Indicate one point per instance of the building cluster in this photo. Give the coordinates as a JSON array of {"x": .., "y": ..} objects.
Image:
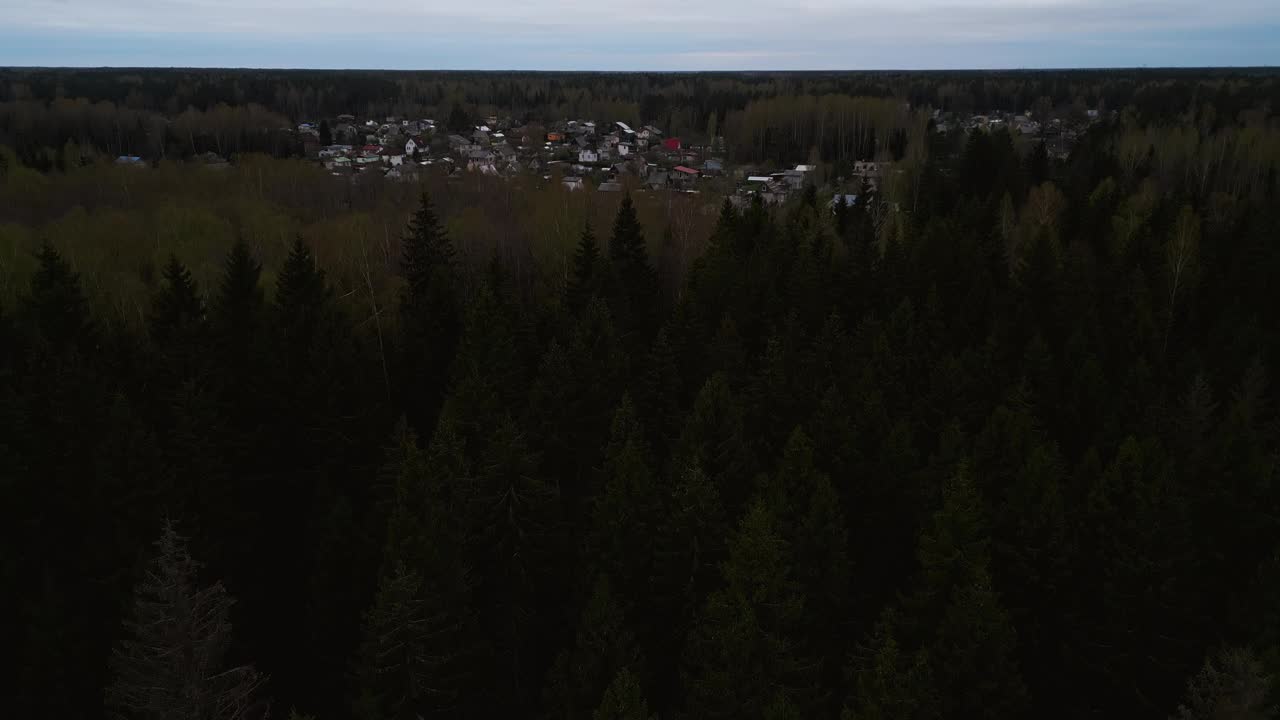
[
  {"x": 610, "y": 156},
  {"x": 577, "y": 153},
  {"x": 1059, "y": 134}
]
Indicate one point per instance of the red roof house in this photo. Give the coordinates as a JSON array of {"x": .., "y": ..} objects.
[
  {"x": 671, "y": 144},
  {"x": 685, "y": 170}
]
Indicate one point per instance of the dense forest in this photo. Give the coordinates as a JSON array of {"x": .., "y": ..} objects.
[
  {"x": 48, "y": 114},
  {"x": 1005, "y": 447}
]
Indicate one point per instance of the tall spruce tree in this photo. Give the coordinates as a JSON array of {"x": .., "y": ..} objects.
[
  {"x": 744, "y": 653},
  {"x": 633, "y": 296},
  {"x": 587, "y": 277},
  {"x": 172, "y": 663},
  {"x": 623, "y": 700},
  {"x": 430, "y": 315}
]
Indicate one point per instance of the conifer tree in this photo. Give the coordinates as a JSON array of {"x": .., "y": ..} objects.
[
  {"x": 172, "y": 662},
  {"x": 178, "y": 311},
  {"x": 957, "y": 615},
  {"x": 627, "y": 511},
  {"x": 623, "y": 700},
  {"x": 713, "y": 439},
  {"x": 302, "y": 296},
  {"x": 743, "y": 651},
  {"x": 661, "y": 394},
  {"x": 400, "y": 659},
  {"x": 56, "y": 308},
  {"x": 587, "y": 278},
  {"x": 604, "y": 646},
  {"x": 634, "y": 292},
  {"x": 888, "y": 681},
  {"x": 430, "y": 315},
  {"x": 1233, "y": 684}
]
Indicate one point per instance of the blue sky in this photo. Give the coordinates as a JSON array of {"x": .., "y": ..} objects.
[{"x": 640, "y": 34}]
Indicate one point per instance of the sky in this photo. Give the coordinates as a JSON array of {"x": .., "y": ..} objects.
[{"x": 640, "y": 34}]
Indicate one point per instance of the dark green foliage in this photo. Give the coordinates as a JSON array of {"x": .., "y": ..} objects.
[
  {"x": 178, "y": 311},
  {"x": 56, "y": 308},
  {"x": 587, "y": 276},
  {"x": 623, "y": 700},
  {"x": 742, "y": 653},
  {"x": 633, "y": 291},
  {"x": 603, "y": 648},
  {"x": 430, "y": 315},
  {"x": 998, "y": 440}
]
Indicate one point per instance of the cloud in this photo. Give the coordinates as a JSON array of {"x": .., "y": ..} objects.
[{"x": 607, "y": 34}]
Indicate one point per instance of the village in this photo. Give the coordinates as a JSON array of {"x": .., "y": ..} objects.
[{"x": 611, "y": 157}]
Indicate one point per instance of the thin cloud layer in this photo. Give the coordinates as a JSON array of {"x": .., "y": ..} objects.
[{"x": 658, "y": 34}]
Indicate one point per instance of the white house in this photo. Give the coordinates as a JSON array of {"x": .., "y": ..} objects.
[
  {"x": 588, "y": 156},
  {"x": 410, "y": 146},
  {"x": 624, "y": 149}
]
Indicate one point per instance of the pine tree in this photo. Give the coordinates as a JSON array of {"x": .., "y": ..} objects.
[
  {"x": 326, "y": 134},
  {"x": 661, "y": 393},
  {"x": 177, "y": 312},
  {"x": 743, "y": 651},
  {"x": 890, "y": 683},
  {"x": 302, "y": 297},
  {"x": 586, "y": 280},
  {"x": 623, "y": 700},
  {"x": 626, "y": 514},
  {"x": 957, "y": 615},
  {"x": 56, "y": 308},
  {"x": 405, "y": 651},
  {"x": 634, "y": 292},
  {"x": 714, "y": 440},
  {"x": 430, "y": 315},
  {"x": 1232, "y": 684},
  {"x": 171, "y": 664},
  {"x": 604, "y": 647}
]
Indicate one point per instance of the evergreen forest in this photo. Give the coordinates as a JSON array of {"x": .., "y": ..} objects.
[{"x": 1005, "y": 444}]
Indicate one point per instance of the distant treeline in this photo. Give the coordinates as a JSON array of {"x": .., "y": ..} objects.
[{"x": 159, "y": 112}]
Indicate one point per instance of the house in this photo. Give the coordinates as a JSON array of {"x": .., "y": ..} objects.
[
  {"x": 713, "y": 166},
  {"x": 625, "y": 128},
  {"x": 588, "y": 156},
  {"x": 133, "y": 160},
  {"x": 410, "y": 147},
  {"x": 572, "y": 183},
  {"x": 610, "y": 187},
  {"x": 394, "y": 160},
  {"x": 759, "y": 179},
  {"x": 657, "y": 179},
  {"x": 370, "y": 150},
  {"x": 774, "y": 194},
  {"x": 624, "y": 149},
  {"x": 672, "y": 144},
  {"x": 793, "y": 178},
  {"x": 686, "y": 171}
]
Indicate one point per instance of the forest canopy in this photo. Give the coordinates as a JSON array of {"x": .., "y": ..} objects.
[{"x": 997, "y": 441}]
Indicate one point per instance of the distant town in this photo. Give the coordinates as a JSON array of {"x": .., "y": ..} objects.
[{"x": 587, "y": 155}]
